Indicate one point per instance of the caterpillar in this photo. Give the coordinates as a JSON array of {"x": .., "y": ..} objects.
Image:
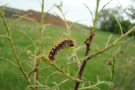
[{"x": 61, "y": 45}]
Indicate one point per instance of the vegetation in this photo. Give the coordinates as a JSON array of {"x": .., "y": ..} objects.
[
  {"x": 107, "y": 21},
  {"x": 11, "y": 78},
  {"x": 31, "y": 49}
]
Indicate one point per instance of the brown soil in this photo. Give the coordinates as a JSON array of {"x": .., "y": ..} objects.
[{"x": 49, "y": 19}]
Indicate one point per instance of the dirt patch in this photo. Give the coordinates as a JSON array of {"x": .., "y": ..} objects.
[{"x": 49, "y": 19}]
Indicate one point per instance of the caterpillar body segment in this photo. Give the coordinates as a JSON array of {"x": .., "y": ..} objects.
[{"x": 61, "y": 45}]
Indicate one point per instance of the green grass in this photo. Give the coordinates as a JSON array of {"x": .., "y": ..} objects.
[{"x": 11, "y": 77}]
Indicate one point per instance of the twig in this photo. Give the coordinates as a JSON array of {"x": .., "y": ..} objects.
[
  {"x": 76, "y": 57},
  {"x": 64, "y": 18},
  {"x": 113, "y": 70},
  {"x": 23, "y": 17},
  {"x": 108, "y": 40},
  {"x": 4, "y": 36},
  {"x": 37, "y": 63},
  {"x": 10, "y": 62},
  {"x": 118, "y": 24},
  {"x": 89, "y": 11},
  {"x": 32, "y": 71},
  {"x": 28, "y": 37},
  {"x": 56, "y": 72},
  {"x": 88, "y": 44},
  {"x": 60, "y": 83},
  {"x": 96, "y": 14},
  {"x": 25, "y": 48},
  {"x": 111, "y": 45},
  {"x": 92, "y": 85},
  {"x": 122, "y": 66},
  {"x": 13, "y": 48},
  {"x": 59, "y": 69},
  {"x": 104, "y": 6}
]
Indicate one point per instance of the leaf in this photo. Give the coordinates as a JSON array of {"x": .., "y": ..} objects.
[
  {"x": 109, "y": 83},
  {"x": 55, "y": 83},
  {"x": 68, "y": 49}
]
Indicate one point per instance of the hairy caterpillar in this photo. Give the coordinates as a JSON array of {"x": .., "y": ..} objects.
[{"x": 61, "y": 45}]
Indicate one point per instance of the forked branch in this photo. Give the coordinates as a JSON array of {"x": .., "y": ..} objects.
[
  {"x": 13, "y": 47},
  {"x": 112, "y": 44}
]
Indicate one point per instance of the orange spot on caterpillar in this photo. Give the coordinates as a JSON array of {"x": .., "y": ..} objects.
[{"x": 61, "y": 45}]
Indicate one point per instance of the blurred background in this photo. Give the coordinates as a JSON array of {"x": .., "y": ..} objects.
[{"x": 74, "y": 9}]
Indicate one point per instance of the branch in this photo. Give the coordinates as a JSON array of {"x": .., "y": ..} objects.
[
  {"x": 59, "y": 69},
  {"x": 89, "y": 11},
  {"x": 111, "y": 45},
  {"x": 88, "y": 43},
  {"x": 60, "y": 84},
  {"x": 92, "y": 86},
  {"x": 9, "y": 61},
  {"x": 96, "y": 14},
  {"x": 118, "y": 24},
  {"x": 37, "y": 63},
  {"x": 64, "y": 18},
  {"x": 13, "y": 47}
]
